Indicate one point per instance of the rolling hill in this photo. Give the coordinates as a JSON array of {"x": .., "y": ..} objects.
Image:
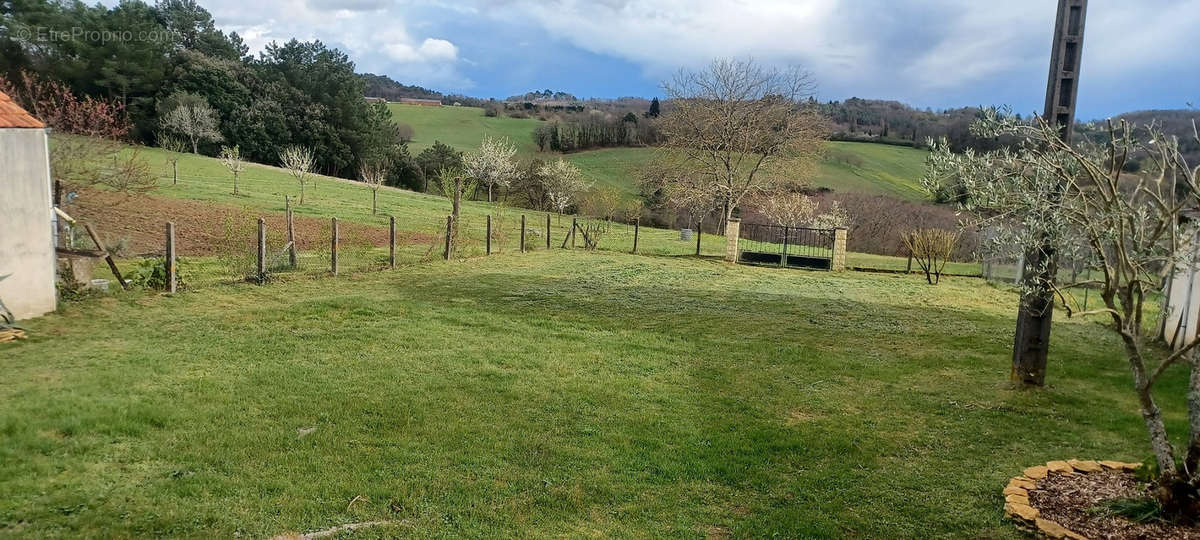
[{"x": 848, "y": 166}]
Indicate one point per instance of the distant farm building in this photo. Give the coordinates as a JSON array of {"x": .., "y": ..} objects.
[
  {"x": 27, "y": 258},
  {"x": 422, "y": 102},
  {"x": 376, "y": 100}
]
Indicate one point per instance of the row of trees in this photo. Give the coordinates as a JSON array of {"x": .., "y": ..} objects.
[
  {"x": 292, "y": 93},
  {"x": 596, "y": 131}
]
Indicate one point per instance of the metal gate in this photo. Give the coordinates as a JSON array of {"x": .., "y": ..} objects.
[{"x": 797, "y": 247}]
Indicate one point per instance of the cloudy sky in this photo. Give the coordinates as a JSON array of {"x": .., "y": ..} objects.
[{"x": 1138, "y": 54}]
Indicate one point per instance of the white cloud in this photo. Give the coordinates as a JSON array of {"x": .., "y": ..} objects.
[
  {"x": 375, "y": 33},
  {"x": 880, "y": 48}
]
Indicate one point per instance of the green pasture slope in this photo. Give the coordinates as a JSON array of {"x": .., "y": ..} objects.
[
  {"x": 548, "y": 395},
  {"x": 462, "y": 127},
  {"x": 848, "y": 166},
  {"x": 263, "y": 188}
]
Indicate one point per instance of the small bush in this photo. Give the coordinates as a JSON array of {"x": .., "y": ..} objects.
[
  {"x": 152, "y": 274},
  {"x": 931, "y": 248}
]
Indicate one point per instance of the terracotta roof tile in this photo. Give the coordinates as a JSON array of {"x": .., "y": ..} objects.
[{"x": 13, "y": 116}]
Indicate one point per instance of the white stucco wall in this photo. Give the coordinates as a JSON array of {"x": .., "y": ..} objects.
[
  {"x": 1181, "y": 315},
  {"x": 26, "y": 244}
]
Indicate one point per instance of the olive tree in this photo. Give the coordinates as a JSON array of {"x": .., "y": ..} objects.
[
  {"x": 742, "y": 127},
  {"x": 1132, "y": 230}
]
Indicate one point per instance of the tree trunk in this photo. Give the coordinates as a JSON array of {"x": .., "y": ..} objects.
[
  {"x": 235, "y": 179},
  {"x": 1193, "y": 399},
  {"x": 489, "y": 193},
  {"x": 301, "y": 192},
  {"x": 374, "y": 200},
  {"x": 195, "y": 146},
  {"x": 1163, "y": 453}
]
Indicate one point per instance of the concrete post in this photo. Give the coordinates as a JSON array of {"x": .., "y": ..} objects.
[
  {"x": 733, "y": 229},
  {"x": 839, "y": 249}
]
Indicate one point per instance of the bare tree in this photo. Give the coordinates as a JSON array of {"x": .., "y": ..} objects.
[
  {"x": 373, "y": 175},
  {"x": 742, "y": 127},
  {"x": 298, "y": 160},
  {"x": 602, "y": 202},
  {"x": 931, "y": 248},
  {"x": 231, "y": 158},
  {"x": 492, "y": 164},
  {"x": 563, "y": 183},
  {"x": 1131, "y": 229},
  {"x": 694, "y": 196},
  {"x": 194, "y": 120},
  {"x": 173, "y": 146}
]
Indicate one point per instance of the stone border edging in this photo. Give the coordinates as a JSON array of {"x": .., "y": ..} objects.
[{"x": 1016, "y": 494}]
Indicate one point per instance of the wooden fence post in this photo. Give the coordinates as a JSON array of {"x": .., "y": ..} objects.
[
  {"x": 637, "y": 225},
  {"x": 488, "y": 243},
  {"x": 522, "y": 233},
  {"x": 170, "y": 262},
  {"x": 392, "y": 242},
  {"x": 699, "y": 232},
  {"x": 262, "y": 250},
  {"x": 449, "y": 233},
  {"x": 547, "y": 231},
  {"x": 574, "y": 225},
  {"x": 112, "y": 264},
  {"x": 291, "y": 233},
  {"x": 333, "y": 247}
]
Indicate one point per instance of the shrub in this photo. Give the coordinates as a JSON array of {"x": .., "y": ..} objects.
[
  {"x": 931, "y": 248},
  {"x": 152, "y": 274}
]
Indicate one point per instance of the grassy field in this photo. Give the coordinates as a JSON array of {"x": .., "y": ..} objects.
[
  {"x": 548, "y": 395},
  {"x": 848, "y": 167},
  {"x": 462, "y": 127},
  {"x": 262, "y": 190}
]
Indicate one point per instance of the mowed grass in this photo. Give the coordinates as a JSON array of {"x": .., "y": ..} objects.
[
  {"x": 548, "y": 395},
  {"x": 848, "y": 166}
]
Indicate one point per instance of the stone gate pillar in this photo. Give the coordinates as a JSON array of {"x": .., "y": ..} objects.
[
  {"x": 839, "y": 249},
  {"x": 733, "y": 229}
]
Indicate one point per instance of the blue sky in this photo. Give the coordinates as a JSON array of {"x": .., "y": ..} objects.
[{"x": 1138, "y": 54}]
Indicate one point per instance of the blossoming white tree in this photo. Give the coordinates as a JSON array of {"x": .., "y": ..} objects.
[
  {"x": 563, "y": 182},
  {"x": 492, "y": 164}
]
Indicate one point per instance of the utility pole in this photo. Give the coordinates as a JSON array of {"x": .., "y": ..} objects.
[{"x": 1032, "y": 340}]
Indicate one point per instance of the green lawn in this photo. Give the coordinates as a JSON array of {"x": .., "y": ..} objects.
[
  {"x": 848, "y": 167},
  {"x": 555, "y": 394},
  {"x": 462, "y": 127}
]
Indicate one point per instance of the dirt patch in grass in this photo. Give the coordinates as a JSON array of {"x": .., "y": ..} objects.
[
  {"x": 1074, "y": 501},
  {"x": 136, "y": 222}
]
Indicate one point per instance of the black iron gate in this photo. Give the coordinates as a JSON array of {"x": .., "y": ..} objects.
[{"x": 799, "y": 247}]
